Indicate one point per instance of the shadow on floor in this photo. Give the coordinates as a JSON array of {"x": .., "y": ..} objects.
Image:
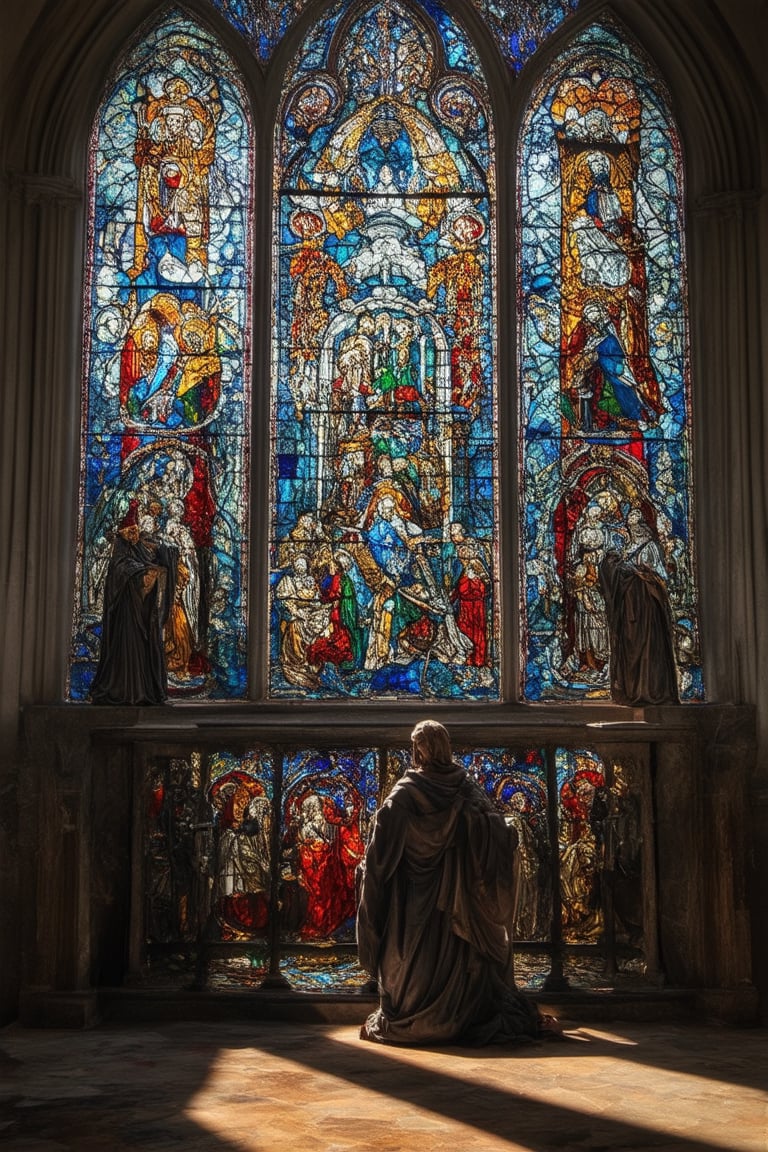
[{"x": 270, "y": 1086}]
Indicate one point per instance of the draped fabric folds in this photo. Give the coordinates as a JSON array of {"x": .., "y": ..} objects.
[
  {"x": 138, "y": 596},
  {"x": 642, "y": 664},
  {"x": 436, "y": 898}
]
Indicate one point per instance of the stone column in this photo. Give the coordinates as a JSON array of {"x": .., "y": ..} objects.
[
  {"x": 729, "y": 251},
  {"x": 40, "y": 303},
  {"x": 730, "y": 421}
]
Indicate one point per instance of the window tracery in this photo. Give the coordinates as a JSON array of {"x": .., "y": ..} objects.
[{"x": 521, "y": 26}]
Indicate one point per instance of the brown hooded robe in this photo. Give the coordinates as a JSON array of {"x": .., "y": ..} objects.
[{"x": 436, "y": 899}]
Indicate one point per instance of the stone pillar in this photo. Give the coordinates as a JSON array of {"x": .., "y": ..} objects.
[
  {"x": 76, "y": 849},
  {"x": 678, "y": 810},
  {"x": 40, "y": 303},
  {"x": 729, "y": 247},
  {"x": 703, "y": 846},
  {"x": 55, "y": 833},
  {"x": 730, "y": 421}
]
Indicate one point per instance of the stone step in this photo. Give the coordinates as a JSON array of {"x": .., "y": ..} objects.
[{"x": 124, "y": 1004}]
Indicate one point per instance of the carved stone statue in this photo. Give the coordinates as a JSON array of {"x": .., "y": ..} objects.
[
  {"x": 138, "y": 593},
  {"x": 642, "y": 660}
]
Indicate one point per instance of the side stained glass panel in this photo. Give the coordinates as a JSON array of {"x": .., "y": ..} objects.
[
  {"x": 166, "y": 353},
  {"x": 604, "y": 385},
  {"x": 383, "y": 550},
  {"x": 329, "y": 800},
  {"x": 600, "y": 821},
  {"x": 583, "y": 809},
  {"x": 177, "y": 850},
  {"x": 517, "y": 786},
  {"x": 240, "y": 798}
]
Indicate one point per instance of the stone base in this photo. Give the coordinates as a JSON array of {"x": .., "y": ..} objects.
[
  {"x": 45, "y": 1008},
  {"x": 738, "y": 1007}
]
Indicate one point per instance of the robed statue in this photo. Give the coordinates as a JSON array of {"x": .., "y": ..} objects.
[
  {"x": 138, "y": 595},
  {"x": 437, "y": 900},
  {"x": 642, "y": 659}
]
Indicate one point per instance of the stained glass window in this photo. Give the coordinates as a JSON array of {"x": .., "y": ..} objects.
[
  {"x": 250, "y": 861},
  {"x": 329, "y": 799},
  {"x": 165, "y": 406},
  {"x": 263, "y": 23},
  {"x": 383, "y": 549},
  {"x": 520, "y": 26},
  {"x": 603, "y": 366},
  {"x": 517, "y": 787}
]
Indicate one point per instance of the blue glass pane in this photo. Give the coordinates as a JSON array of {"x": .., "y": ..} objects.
[
  {"x": 521, "y": 26},
  {"x": 262, "y": 23}
]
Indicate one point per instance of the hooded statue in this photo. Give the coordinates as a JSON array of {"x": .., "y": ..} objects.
[{"x": 437, "y": 892}]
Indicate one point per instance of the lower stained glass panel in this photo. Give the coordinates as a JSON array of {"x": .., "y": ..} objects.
[{"x": 217, "y": 869}]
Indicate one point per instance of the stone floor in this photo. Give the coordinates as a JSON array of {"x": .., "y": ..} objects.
[{"x": 264, "y": 1087}]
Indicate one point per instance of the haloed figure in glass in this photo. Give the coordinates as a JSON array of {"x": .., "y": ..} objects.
[{"x": 437, "y": 900}]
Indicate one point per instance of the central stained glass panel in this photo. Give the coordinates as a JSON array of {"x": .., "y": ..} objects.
[{"x": 384, "y": 476}]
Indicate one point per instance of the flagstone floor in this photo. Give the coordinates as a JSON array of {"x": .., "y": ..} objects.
[{"x": 269, "y": 1087}]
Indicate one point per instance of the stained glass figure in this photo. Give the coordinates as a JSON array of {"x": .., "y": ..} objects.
[
  {"x": 624, "y": 854},
  {"x": 603, "y": 363},
  {"x": 165, "y": 410},
  {"x": 521, "y": 26},
  {"x": 329, "y": 799},
  {"x": 177, "y": 844},
  {"x": 397, "y": 761},
  {"x": 383, "y": 418},
  {"x": 262, "y": 23},
  {"x": 583, "y": 809},
  {"x": 240, "y": 796},
  {"x": 517, "y": 785}
]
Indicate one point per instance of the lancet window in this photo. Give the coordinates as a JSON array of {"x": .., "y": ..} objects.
[
  {"x": 603, "y": 372},
  {"x": 166, "y": 389},
  {"x": 384, "y": 515}
]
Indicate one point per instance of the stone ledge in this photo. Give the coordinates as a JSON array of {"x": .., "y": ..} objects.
[
  {"x": 44, "y": 1008},
  {"x": 384, "y": 722}
]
